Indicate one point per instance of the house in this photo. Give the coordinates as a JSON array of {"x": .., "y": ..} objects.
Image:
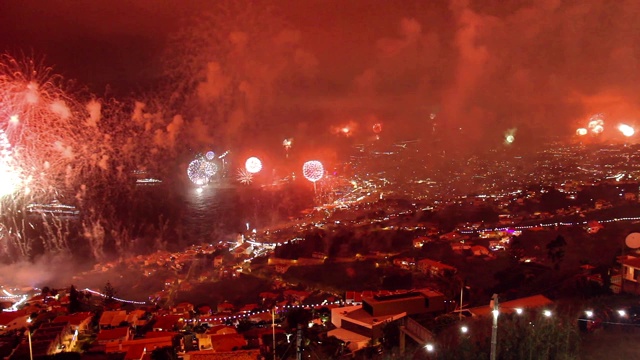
[
  {"x": 168, "y": 322},
  {"x": 79, "y": 321},
  {"x": 479, "y": 250},
  {"x": 225, "y": 307},
  {"x": 111, "y": 319},
  {"x": 243, "y": 250},
  {"x": 593, "y": 227},
  {"x": 419, "y": 241},
  {"x": 12, "y": 320},
  {"x": 227, "y": 342},
  {"x": 404, "y": 263},
  {"x": 106, "y": 336},
  {"x": 248, "y": 308},
  {"x": 630, "y": 274},
  {"x": 214, "y": 355},
  {"x": 221, "y": 330},
  {"x": 359, "y": 324},
  {"x": 217, "y": 261},
  {"x": 183, "y": 308},
  {"x": 137, "y": 346},
  {"x": 435, "y": 268}
]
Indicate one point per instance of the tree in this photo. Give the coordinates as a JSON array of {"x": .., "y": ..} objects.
[
  {"x": 164, "y": 353},
  {"x": 109, "y": 294},
  {"x": 75, "y": 305},
  {"x": 555, "y": 251}
]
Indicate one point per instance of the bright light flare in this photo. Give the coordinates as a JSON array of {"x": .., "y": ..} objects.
[
  {"x": 626, "y": 130},
  {"x": 510, "y": 136},
  {"x": 377, "y": 128},
  {"x": 253, "y": 165},
  {"x": 582, "y": 132},
  {"x": 287, "y": 144},
  {"x": 313, "y": 170},
  {"x": 9, "y": 179}
]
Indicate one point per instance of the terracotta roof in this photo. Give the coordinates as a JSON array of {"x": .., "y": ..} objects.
[
  {"x": 633, "y": 262},
  {"x": 113, "y": 334},
  {"x": 227, "y": 342},
  {"x": 7, "y": 317},
  {"x": 73, "y": 319},
  {"x": 229, "y": 355},
  {"x": 529, "y": 302}
]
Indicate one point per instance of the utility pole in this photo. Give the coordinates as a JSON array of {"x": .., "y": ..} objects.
[
  {"x": 494, "y": 329},
  {"x": 299, "y": 343},
  {"x": 273, "y": 326},
  {"x": 30, "y": 347}
]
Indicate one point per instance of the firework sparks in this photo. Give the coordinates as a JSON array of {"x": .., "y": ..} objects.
[
  {"x": 244, "y": 177},
  {"x": 626, "y": 130},
  {"x": 313, "y": 170},
  {"x": 9, "y": 179},
  {"x": 596, "y": 124},
  {"x": 377, "y": 128},
  {"x": 200, "y": 171},
  {"x": 253, "y": 165}
]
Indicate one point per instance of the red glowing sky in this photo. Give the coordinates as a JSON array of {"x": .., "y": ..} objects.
[{"x": 484, "y": 66}]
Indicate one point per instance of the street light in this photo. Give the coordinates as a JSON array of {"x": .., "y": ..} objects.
[
  {"x": 589, "y": 313},
  {"x": 494, "y": 329},
  {"x": 464, "y": 329},
  {"x": 429, "y": 347},
  {"x": 519, "y": 311},
  {"x": 547, "y": 313}
]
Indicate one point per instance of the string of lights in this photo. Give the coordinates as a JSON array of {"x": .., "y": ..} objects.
[{"x": 554, "y": 224}]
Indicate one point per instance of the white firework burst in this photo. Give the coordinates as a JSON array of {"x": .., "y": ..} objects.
[{"x": 244, "y": 177}]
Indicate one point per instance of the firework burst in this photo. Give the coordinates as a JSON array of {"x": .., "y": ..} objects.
[{"x": 244, "y": 177}]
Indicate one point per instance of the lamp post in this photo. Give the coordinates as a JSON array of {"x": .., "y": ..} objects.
[
  {"x": 494, "y": 329},
  {"x": 30, "y": 348}
]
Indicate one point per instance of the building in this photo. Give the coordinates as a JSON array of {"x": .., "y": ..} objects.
[
  {"x": 360, "y": 323},
  {"x": 630, "y": 274},
  {"x": 435, "y": 268},
  {"x": 79, "y": 321},
  {"x": 113, "y": 335},
  {"x": 12, "y": 320}
]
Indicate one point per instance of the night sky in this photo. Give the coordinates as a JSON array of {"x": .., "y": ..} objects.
[{"x": 484, "y": 67}]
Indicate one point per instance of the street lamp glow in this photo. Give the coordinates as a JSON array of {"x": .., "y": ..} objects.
[
  {"x": 464, "y": 329},
  {"x": 429, "y": 347},
  {"x": 622, "y": 313},
  {"x": 547, "y": 313},
  {"x": 519, "y": 311},
  {"x": 589, "y": 313}
]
